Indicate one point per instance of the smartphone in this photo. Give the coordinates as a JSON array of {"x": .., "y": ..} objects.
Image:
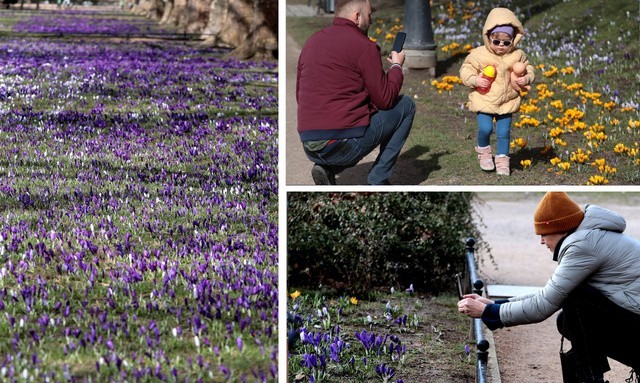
[{"x": 399, "y": 42}]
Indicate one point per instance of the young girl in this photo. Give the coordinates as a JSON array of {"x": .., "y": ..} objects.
[{"x": 501, "y": 33}]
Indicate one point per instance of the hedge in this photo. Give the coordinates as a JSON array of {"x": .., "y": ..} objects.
[{"x": 357, "y": 242}]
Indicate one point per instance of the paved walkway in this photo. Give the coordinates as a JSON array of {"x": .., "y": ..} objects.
[{"x": 298, "y": 167}]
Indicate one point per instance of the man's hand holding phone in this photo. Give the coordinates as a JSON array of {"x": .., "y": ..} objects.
[
  {"x": 396, "y": 58},
  {"x": 397, "y": 54}
]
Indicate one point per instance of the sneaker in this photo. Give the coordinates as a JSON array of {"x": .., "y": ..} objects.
[{"x": 323, "y": 175}]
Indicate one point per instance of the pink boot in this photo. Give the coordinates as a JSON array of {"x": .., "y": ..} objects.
[
  {"x": 502, "y": 165},
  {"x": 485, "y": 158}
]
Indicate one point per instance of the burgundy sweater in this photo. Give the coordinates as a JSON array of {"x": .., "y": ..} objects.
[{"x": 341, "y": 83}]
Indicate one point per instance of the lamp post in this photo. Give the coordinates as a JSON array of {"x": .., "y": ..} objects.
[{"x": 419, "y": 47}]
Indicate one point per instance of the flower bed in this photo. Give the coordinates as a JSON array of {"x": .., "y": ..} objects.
[
  {"x": 396, "y": 337},
  {"x": 138, "y": 232}
]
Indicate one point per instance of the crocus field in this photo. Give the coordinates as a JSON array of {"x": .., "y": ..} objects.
[
  {"x": 138, "y": 207},
  {"x": 580, "y": 122},
  {"x": 86, "y": 22}
]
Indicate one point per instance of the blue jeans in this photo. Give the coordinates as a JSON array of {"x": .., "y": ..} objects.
[
  {"x": 388, "y": 129},
  {"x": 503, "y": 131}
]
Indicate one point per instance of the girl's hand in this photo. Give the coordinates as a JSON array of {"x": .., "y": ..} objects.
[
  {"x": 522, "y": 81},
  {"x": 481, "y": 82}
]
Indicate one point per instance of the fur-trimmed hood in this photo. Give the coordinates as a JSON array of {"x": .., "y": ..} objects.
[{"x": 502, "y": 16}]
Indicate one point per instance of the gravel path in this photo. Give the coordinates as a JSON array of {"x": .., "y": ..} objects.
[{"x": 529, "y": 354}]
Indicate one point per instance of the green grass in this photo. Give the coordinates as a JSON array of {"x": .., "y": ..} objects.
[
  {"x": 578, "y": 15},
  {"x": 301, "y": 28}
]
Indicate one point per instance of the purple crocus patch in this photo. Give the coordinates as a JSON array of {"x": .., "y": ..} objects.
[{"x": 138, "y": 206}]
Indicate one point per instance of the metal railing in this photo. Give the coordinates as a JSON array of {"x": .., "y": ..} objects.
[{"x": 476, "y": 285}]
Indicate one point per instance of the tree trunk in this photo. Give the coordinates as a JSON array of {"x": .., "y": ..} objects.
[
  {"x": 262, "y": 41},
  {"x": 249, "y": 26},
  {"x": 149, "y": 8},
  {"x": 198, "y": 15},
  {"x": 168, "y": 9},
  {"x": 217, "y": 18}
]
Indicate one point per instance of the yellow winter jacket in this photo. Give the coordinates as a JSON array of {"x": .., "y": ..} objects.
[{"x": 501, "y": 98}]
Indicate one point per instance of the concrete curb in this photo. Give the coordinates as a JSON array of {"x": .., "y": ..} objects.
[{"x": 493, "y": 369}]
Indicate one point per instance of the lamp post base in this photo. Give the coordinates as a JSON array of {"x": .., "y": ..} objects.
[{"x": 421, "y": 59}]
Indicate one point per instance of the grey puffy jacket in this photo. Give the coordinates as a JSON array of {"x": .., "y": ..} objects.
[{"x": 598, "y": 253}]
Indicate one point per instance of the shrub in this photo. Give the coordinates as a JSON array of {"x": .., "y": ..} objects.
[{"x": 361, "y": 241}]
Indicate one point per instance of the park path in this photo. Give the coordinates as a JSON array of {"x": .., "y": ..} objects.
[
  {"x": 529, "y": 354},
  {"x": 298, "y": 167}
]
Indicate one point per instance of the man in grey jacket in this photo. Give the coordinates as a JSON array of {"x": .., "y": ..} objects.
[{"x": 596, "y": 284}]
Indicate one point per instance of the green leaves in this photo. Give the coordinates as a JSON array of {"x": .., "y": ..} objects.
[{"x": 359, "y": 241}]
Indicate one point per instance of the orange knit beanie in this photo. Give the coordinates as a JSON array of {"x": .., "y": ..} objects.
[{"x": 557, "y": 213}]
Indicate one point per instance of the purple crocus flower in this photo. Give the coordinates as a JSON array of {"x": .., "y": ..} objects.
[
  {"x": 335, "y": 349},
  {"x": 385, "y": 372},
  {"x": 309, "y": 360},
  {"x": 225, "y": 371}
]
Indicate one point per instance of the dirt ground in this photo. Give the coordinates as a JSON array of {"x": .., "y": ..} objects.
[{"x": 528, "y": 354}]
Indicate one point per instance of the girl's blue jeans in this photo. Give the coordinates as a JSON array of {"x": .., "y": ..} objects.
[{"x": 503, "y": 131}]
